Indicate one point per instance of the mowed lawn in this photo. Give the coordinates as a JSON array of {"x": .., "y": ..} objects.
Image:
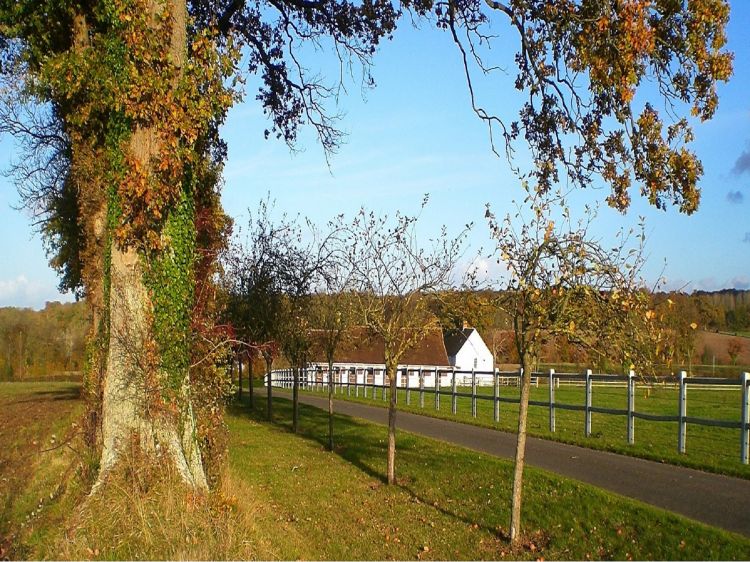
[
  {"x": 450, "y": 503},
  {"x": 714, "y": 449},
  {"x": 286, "y": 497}
]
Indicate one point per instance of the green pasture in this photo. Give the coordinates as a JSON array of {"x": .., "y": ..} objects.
[{"x": 709, "y": 448}]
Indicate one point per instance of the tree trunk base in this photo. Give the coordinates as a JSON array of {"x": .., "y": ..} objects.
[{"x": 132, "y": 383}]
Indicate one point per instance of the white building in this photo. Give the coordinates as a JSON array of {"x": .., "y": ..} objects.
[
  {"x": 466, "y": 350},
  {"x": 359, "y": 360}
]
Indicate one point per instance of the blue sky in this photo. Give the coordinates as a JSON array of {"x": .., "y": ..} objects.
[{"x": 415, "y": 133}]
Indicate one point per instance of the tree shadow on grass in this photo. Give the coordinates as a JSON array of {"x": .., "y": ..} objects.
[
  {"x": 314, "y": 427},
  {"x": 355, "y": 443},
  {"x": 63, "y": 394}
]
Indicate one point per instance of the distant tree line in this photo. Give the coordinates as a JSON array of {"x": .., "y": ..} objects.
[
  {"x": 680, "y": 315},
  {"x": 728, "y": 309},
  {"x": 42, "y": 343},
  {"x": 52, "y": 340}
]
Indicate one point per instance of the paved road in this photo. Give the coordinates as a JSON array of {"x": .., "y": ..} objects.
[{"x": 714, "y": 499}]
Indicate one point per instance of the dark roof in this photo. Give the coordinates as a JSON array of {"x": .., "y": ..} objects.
[
  {"x": 361, "y": 346},
  {"x": 455, "y": 341}
]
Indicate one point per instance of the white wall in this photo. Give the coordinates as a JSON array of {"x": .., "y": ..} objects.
[
  {"x": 428, "y": 373},
  {"x": 474, "y": 348}
]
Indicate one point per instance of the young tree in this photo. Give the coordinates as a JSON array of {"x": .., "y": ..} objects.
[
  {"x": 391, "y": 275},
  {"x": 295, "y": 344},
  {"x": 258, "y": 272},
  {"x": 310, "y": 266},
  {"x": 734, "y": 348},
  {"x": 562, "y": 284},
  {"x": 331, "y": 316},
  {"x": 678, "y": 314}
]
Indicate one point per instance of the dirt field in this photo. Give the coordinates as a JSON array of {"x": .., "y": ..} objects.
[
  {"x": 34, "y": 420},
  {"x": 717, "y": 345}
]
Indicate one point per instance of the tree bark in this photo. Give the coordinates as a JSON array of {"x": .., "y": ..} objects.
[
  {"x": 129, "y": 381},
  {"x": 390, "y": 372},
  {"x": 330, "y": 405},
  {"x": 85, "y": 175},
  {"x": 520, "y": 460},
  {"x": 295, "y": 399},
  {"x": 133, "y": 380}
]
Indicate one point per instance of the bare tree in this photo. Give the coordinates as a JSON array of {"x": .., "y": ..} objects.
[
  {"x": 331, "y": 316},
  {"x": 258, "y": 271},
  {"x": 561, "y": 283},
  {"x": 311, "y": 267},
  {"x": 391, "y": 273}
]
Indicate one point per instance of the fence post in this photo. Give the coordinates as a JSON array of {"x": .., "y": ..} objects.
[
  {"x": 745, "y": 436},
  {"x": 587, "y": 429},
  {"x": 384, "y": 385},
  {"x": 421, "y": 388},
  {"x": 681, "y": 434},
  {"x": 552, "y": 400},
  {"x": 473, "y": 393},
  {"x": 408, "y": 389},
  {"x": 454, "y": 404},
  {"x": 437, "y": 389},
  {"x": 631, "y": 407},
  {"x": 496, "y": 395}
]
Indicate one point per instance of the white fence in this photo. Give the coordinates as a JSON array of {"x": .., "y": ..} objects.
[{"x": 366, "y": 381}]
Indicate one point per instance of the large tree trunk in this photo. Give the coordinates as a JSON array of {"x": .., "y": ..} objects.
[
  {"x": 85, "y": 176},
  {"x": 390, "y": 371},
  {"x": 135, "y": 380},
  {"x": 132, "y": 378},
  {"x": 520, "y": 460},
  {"x": 330, "y": 405}
]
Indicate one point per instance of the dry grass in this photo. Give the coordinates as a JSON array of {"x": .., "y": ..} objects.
[{"x": 149, "y": 514}]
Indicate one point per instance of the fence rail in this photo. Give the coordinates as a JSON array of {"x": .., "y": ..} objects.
[{"x": 359, "y": 381}]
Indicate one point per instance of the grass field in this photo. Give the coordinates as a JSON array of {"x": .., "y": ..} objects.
[
  {"x": 708, "y": 448},
  {"x": 286, "y": 497}
]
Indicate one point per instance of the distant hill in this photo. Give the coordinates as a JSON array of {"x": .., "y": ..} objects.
[
  {"x": 712, "y": 344},
  {"x": 42, "y": 343}
]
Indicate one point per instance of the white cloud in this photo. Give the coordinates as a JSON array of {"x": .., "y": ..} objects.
[
  {"x": 740, "y": 282},
  {"x": 26, "y": 293}
]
